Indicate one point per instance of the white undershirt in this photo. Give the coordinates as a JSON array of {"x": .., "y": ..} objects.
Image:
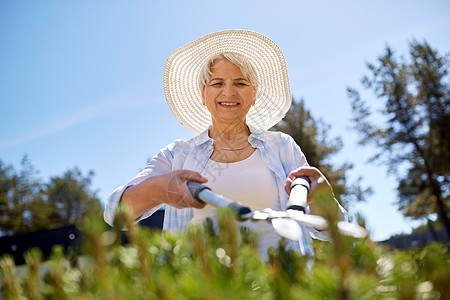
[{"x": 249, "y": 182}]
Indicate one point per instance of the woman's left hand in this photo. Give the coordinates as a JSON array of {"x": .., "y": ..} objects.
[{"x": 318, "y": 183}]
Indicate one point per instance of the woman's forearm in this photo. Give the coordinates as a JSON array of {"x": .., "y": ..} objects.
[{"x": 143, "y": 196}]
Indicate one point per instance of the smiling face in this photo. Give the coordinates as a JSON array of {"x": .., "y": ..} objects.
[{"x": 228, "y": 95}]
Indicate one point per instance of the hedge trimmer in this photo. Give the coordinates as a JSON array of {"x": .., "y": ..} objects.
[{"x": 285, "y": 223}]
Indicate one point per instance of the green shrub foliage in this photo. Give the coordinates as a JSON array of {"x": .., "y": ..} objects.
[{"x": 205, "y": 263}]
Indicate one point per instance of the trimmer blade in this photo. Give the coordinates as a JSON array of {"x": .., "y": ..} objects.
[
  {"x": 351, "y": 229},
  {"x": 287, "y": 228}
]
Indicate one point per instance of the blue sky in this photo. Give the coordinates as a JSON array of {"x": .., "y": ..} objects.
[{"x": 81, "y": 81}]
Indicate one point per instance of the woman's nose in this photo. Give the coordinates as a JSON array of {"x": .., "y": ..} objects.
[{"x": 228, "y": 90}]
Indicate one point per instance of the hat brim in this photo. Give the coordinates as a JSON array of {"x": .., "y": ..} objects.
[{"x": 181, "y": 78}]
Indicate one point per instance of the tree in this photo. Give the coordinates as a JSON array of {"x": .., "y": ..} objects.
[
  {"x": 413, "y": 138},
  {"x": 313, "y": 138},
  {"x": 70, "y": 198},
  {"x": 17, "y": 191},
  {"x": 27, "y": 204}
]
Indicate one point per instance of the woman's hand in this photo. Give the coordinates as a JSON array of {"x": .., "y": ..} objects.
[
  {"x": 177, "y": 191},
  {"x": 170, "y": 188},
  {"x": 319, "y": 183}
]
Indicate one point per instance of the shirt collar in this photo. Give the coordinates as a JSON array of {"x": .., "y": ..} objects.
[
  {"x": 256, "y": 134},
  {"x": 202, "y": 138}
]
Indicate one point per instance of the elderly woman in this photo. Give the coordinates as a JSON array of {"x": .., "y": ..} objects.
[{"x": 228, "y": 88}]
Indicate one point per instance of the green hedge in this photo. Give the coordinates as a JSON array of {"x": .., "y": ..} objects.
[{"x": 224, "y": 264}]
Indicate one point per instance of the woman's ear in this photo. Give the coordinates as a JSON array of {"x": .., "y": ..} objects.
[
  {"x": 254, "y": 96},
  {"x": 203, "y": 97}
]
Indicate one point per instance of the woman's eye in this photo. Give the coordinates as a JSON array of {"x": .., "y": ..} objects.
[{"x": 241, "y": 84}]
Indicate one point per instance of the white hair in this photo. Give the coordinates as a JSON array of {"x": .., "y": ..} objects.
[{"x": 246, "y": 68}]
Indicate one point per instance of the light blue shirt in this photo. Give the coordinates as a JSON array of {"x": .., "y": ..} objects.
[{"x": 278, "y": 150}]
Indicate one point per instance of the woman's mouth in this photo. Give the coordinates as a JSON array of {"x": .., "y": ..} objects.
[{"x": 229, "y": 104}]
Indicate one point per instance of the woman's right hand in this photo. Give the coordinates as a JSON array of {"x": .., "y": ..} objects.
[
  {"x": 170, "y": 188},
  {"x": 177, "y": 191}
]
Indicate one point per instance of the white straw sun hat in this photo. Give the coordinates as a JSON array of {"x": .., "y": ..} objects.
[{"x": 182, "y": 76}]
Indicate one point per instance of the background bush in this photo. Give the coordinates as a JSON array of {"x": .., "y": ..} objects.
[{"x": 207, "y": 264}]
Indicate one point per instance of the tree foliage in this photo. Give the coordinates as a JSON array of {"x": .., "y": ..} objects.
[
  {"x": 413, "y": 129},
  {"x": 70, "y": 197},
  {"x": 28, "y": 204},
  {"x": 313, "y": 137}
]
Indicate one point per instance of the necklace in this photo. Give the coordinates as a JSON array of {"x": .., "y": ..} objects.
[{"x": 232, "y": 149}]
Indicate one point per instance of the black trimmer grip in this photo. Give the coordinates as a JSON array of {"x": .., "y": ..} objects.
[
  {"x": 195, "y": 188},
  {"x": 241, "y": 210},
  {"x": 298, "y": 198}
]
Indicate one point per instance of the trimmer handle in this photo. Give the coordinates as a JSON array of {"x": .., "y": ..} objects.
[
  {"x": 204, "y": 194},
  {"x": 196, "y": 188},
  {"x": 298, "y": 198}
]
